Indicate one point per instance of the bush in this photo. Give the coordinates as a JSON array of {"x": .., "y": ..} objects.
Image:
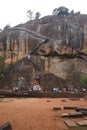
[
  {"x": 2, "y": 66},
  {"x": 83, "y": 80}
]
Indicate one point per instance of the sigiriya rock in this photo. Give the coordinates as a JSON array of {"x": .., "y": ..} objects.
[{"x": 57, "y": 46}]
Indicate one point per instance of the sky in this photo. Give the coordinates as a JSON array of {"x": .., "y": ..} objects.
[{"x": 14, "y": 12}]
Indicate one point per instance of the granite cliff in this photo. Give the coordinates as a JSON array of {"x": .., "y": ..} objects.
[{"x": 58, "y": 46}]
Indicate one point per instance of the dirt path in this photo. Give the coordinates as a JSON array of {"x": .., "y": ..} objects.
[{"x": 35, "y": 113}]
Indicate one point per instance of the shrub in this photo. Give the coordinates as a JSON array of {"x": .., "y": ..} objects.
[
  {"x": 2, "y": 66},
  {"x": 83, "y": 80}
]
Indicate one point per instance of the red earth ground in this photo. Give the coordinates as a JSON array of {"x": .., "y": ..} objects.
[{"x": 36, "y": 113}]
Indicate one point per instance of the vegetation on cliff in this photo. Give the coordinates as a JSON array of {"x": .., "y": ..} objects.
[
  {"x": 83, "y": 80},
  {"x": 2, "y": 67}
]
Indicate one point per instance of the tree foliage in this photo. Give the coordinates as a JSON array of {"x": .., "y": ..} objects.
[
  {"x": 2, "y": 66},
  {"x": 61, "y": 11},
  {"x": 30, "y": 14},
  {"x": 38, "y": 15},
  {"x": 7, "y": 27},
  {"x": 83, "y": 80}
]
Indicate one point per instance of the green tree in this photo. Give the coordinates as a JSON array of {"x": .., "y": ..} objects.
[
  {"x": 72, "y": 12},
  {"x": 2, "y": 66},
  {"x": 61, "y": 11},
  {"x": 30, "y": 14},
  {"x": 38, "y": 15},
  {"x": 83, "y": 80},
  {"x": 7, "y": 27}
]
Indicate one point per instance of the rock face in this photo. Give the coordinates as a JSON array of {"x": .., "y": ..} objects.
[{"x": 64, "y": 51}]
